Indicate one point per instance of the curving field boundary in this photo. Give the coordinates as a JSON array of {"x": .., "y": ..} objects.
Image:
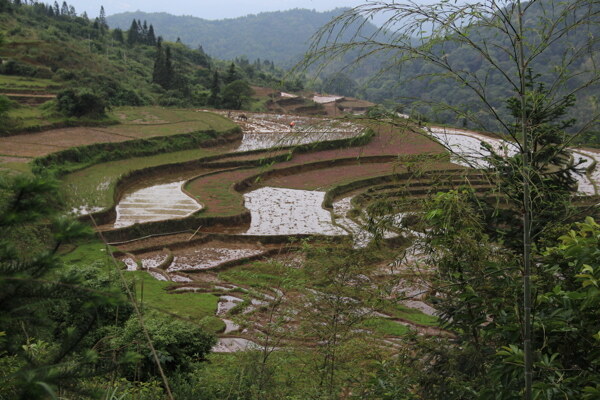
[
  {"x": 76, "y": 158},
  {"x": 108, "y": 215}
]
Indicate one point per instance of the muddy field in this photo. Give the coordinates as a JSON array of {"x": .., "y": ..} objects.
[{"x": 235, "y": 264}]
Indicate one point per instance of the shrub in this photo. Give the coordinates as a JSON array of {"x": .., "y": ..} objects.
[
  {"x": 178, "y": 344},
  {"x": 80, "y": 102},
  {"x": 12, "y": 67}
]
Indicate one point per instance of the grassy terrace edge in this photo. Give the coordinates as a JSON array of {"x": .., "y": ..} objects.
[
  {"x": 76, "y": 158},
  {"x": 196, "y": 219}
]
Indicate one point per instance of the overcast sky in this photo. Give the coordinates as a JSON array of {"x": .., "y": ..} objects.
[{"x": 208, "y": 9}]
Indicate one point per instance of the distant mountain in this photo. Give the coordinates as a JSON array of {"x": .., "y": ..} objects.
[{"x": 281, "y": 36}]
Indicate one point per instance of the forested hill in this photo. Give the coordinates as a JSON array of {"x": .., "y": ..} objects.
[{"x": 281, "y": 36}]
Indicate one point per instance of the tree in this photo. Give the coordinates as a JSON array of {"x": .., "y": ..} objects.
[
  {"x": 102, "y": 19},
  {"x": 232, "y": 75},
  {"x": 50, "y": 318},
  {"x": 179, "y": 344},
  {"x": 163, "y": 72},
  {"x": 215, "y": 90},
  {"x": 339, "y": 83},
  {"x": 117, "y": 35},
  {"x": 151, "y": 41},
  {"x": 81, "y": 102},
  {"x": 236, "y": 94},
  {"x": 507, "y": 38},
  {"x": 133, "y": 35}
]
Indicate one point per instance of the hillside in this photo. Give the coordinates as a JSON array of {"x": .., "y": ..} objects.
[
  {"x": 281, "y": 36},
  {"x": 54, "y": 56}
]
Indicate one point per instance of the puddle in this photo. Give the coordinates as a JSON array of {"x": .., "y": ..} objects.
[
  {"x": 180, "y": 278},
  {"x": 264, "y": 131},
  {"x": 85, "y": 210},
  {"x": 360, "y": 236},
  {"x": 230, "y": 326},
  {"x": 278, "y": 211},
  {"x": 153, "y": 262},
  {"x": 130, "y": 264},
  {"x": 326, "y": 99},
  {"x": 155, "y": 203},
  {"x": 157, "y": 276},
  {"x": 226, "y": 303},
  {"x": 232, "y": 345}
]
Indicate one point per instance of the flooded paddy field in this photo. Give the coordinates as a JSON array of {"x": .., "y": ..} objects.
[
  {"x": 249, "y": 269},
  {"x": 468, "y": 152},
  {"x": 155, "y": 203}
]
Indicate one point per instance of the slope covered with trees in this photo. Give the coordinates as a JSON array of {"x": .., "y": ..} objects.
[
  {"x": 281, "y": 36},
  {"x": 83, "y": 66}
]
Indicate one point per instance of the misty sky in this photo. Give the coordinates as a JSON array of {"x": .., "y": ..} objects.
[{"x": 208, "y": 9}]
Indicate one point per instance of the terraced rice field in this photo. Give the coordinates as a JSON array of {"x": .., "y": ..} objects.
[
  {"x": 277, "y": 211},
  {"x": 229, "y": 223},
  {"x": 468, "y": 152},
  {"x": 155, "y": 203}
]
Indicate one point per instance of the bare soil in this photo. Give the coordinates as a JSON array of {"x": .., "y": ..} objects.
[
  {"x": 42, "y": 143},
  {"x": 322, "y": 178}
]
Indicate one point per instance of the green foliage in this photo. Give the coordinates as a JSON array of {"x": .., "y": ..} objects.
[
  {"x": 236, "y": 94},
  {"x": 178, "y": 344},
  {"x": 279, "y": 36},
  {"x": 52, "y": 318},
  {"x": 80, "y": 157},
  {"x": 566, "y": 324},
  {"x": 340, "y": 83},
  {"x": 5, "y": 105},
  {"x": 163, "y": 67},
  {"x": 81, "y": 102}
]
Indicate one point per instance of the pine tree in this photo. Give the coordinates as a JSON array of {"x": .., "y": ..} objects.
[
  {"x": 215, "y": 90},
  {"x": 102, "y": 18},
  {"x": 169, "y": 71},
  {"x": 117, "y": 34},
  {"x": 64, "y": 9},
  {"x": 163, "y": 72},
  {"x": 232, "y": 75},
  {"x": 151, "y": 36},
  {"x": 157, "y": 71},
  {"x": 133, "y": 33}
]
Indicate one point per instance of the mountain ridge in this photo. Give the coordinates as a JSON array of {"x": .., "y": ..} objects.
[{"x": 280, "y": 36}]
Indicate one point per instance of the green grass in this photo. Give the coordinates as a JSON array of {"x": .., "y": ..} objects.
[
  {"x": 385, "y": 327},
  {"x": 198, "y": 307},
  {"x": 217, "y": 193},
  {"x": 264, "y": 275},
  {"x": 25, "y": 118},
  {"x": 212, "y": 324},
  {"x": 88, "y": 253},
  {"x": 410, "y": 314},
  {"x": 8, "y": 82},
  {"x": 191, "y": 306},
  {"x": 94, "y": 186},
  {"x": 15, "y": 167},
  {"x": 159, "y": 121}
]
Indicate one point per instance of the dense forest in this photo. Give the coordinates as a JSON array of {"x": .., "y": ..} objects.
[{"x": 281, "y": 36}]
